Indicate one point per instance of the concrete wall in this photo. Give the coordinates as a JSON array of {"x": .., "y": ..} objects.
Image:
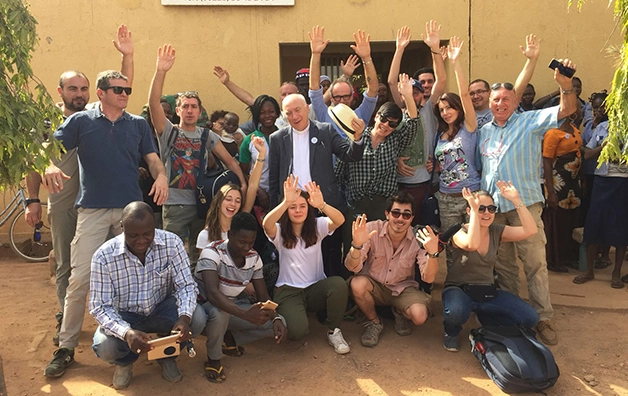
[{"x": 245, "y": 40}]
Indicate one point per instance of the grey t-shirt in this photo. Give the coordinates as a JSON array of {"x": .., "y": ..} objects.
[
  {"x": 483, "y": 117},
  {"x": 471, "y": 268},
  {"x": 65, "y": 199},
  {"x": 424, "y": 148},
  {"x": 182, "y": 156}
]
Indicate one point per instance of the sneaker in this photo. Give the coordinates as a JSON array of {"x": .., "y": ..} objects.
[
  {"x": 403, "y": 327},
  {"x": 122, "y": 376},
  {"x": 170, "y": 371},
  {"x": 451, "y": 343},
  {"x": 370, "y": 338},
  {"x": 546, "y": 332},
  {"x": 63, "y": 357},
  {"x": 338, "y": 342}
]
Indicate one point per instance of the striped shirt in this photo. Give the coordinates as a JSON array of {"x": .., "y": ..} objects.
[
  {"x": 513, "y": 153},
  {"x": 121, "y": 283},
  {"x": 232, "y": 279}
]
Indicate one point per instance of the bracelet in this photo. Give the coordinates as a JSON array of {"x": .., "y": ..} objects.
[
  {"x": 260, "y": 159},
  {"x": 432, "y": 255},
  {"x": 520, "y": 205},
  {"x": 324, "y": 206},
  {"x": 367, "y": 61},
  {"x": 356, "y": 247},
  {"x": 437, "y": 52},
  {"x": 566, "y": 91},
  {"x": 31, "y": 200}
]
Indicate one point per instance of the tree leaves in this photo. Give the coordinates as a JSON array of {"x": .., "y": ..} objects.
[{"x": 24, "y": 102}]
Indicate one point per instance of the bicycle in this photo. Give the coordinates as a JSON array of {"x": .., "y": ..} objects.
[{"x": 30, "y": 246}]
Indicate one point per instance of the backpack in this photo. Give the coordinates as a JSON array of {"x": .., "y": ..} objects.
[{"x": 514, "y": 359}]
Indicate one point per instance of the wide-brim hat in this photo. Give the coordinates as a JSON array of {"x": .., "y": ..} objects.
[{"x": 342, "y": 116}]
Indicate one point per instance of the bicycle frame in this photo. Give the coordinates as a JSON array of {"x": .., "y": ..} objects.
[{"x": 14, "y": 205}]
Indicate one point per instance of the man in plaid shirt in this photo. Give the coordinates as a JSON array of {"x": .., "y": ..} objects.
[{"x": 141, "y": 283}]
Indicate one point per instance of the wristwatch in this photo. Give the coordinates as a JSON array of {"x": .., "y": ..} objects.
[
  {"x": 31, "y": 200},
  {"x": 433, "y": 255}
]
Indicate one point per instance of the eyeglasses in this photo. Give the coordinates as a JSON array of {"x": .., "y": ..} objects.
[
  {"x": 118, "y": 90},
  {"x": 484, "y": 208},
  {"x": 506, "y": 85},
  {"x": 478, "y": 92},
  {"x": 391, "y": 123},
  {"x": 397, "y": 213},
  {"x": 342, "y": 97}
]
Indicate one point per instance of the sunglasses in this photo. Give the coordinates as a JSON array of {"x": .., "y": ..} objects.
[
  {"x": 490, "y": 208},
  {"x": 506, "y": 85},
  {"x": 118, "y": 90},
  {"x": 342, "y": 97},
  {"x": 391, "y": 123},
  {"x": 397, "y": 213}
]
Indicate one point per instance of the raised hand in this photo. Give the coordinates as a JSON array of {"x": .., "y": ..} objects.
[
  {"x": 165, "y": 57},
  {"x": 405, "y": 85},
  {"x": 316, "y": 196},
  {"x": 362, "y": 45},
  {"x": 453, "y": 50},
  {"x": 358, "y": 126},
  {"x": 473, "y": 200},
  {"x": 222, "y": 74},
  {"x": 532, "y": 49},
  {"x": 317, "y": 39},
  {"x": 403, "y": 37},
  {"x": 124, "y": 42},
  {"x": 428, "y": 239},
  {"x": 349, "y": 68},
  {"x": 291, "y": 190},
  {"x": 508, "y": 191},
  {"x": 359, "y": 232},
  {"x": 260, "y": 145},
  {"x": 432, "y": 35},
  {"x": 564, "y": 81},
  {"x": 443, "y": 52}
]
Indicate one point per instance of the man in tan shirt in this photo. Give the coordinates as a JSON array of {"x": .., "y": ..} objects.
[{"x": 382, "y": 256}]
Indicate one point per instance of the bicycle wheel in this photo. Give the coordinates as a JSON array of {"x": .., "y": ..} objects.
[{"x": 22, "y": 238}]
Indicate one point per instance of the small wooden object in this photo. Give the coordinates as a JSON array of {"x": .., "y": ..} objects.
[
  {"x": 164, "y": 347},
  {"x": 269, "y": 305}
]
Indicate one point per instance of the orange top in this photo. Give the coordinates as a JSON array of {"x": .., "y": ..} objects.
[{"x": 558, "y": 142}]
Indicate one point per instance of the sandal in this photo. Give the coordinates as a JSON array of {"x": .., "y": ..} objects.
[
  {"x": 602, "y": 263},
  {"x": 624, "y": 278},
  {"x": 233, "y": 350},
  {"x": 582, "y": 278},
  {"x": 617, "y": 284},
  {"x": 213, "y": 374}
]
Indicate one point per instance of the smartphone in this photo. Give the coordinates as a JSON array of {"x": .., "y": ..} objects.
[
  {"x": 564, "y": 70},
  {"x": 269, "y": 305}
]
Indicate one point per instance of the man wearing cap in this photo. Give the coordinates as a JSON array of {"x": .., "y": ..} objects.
[
  {"x": 372, "y": 180},
  {"x": 305, "y": 149},
  {"x": 342, "y": 90}
]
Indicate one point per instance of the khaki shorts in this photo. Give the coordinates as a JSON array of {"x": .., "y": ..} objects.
[{"x": 409, "y": 296}]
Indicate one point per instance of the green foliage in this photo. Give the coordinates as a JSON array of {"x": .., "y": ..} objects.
[
  {"x": 616, "y": 149},
  {"x": 24, "y": 101}
]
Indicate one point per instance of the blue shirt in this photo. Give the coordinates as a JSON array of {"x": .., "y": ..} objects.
[
  {"x": 119, "y": 282},
  {"x": 109, "y": 156},
  {"x": 513, "y": 153},
  {"x": 457, "y": 162},
  {"x": 364, "y": 111}
]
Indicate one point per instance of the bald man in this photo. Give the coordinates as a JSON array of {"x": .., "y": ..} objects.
[{"x": 305, "y": 149}]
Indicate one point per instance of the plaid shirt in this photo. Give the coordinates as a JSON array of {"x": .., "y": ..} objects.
[
  {"x": 376, "y": 172},
  {"x": 121, "y": 283}
]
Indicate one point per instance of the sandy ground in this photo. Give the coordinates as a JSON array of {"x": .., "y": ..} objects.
[{"x": 593, "y": 342}]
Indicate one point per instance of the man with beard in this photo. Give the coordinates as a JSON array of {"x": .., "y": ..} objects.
[
  {"x": 74, "y": 92},
  {"x": 479, "y": 90}
]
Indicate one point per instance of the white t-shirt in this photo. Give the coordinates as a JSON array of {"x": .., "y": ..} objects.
[
  {"x": 301, "y": 267},
  {"x": 301, "y": 156},
  {"x": 203, "y": 239}
]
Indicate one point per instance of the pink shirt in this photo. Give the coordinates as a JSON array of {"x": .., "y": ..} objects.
[{"x": 392, "y": 268}]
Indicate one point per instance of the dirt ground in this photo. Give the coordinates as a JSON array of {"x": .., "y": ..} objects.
[{"x": 593, "y": 342}]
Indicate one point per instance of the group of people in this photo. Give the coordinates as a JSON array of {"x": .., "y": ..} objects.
[{"x": 319, "y": 217}]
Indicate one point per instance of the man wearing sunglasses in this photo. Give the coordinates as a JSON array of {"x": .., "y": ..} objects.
[
  {"x": 181, "y": 151},
  {"x": 510, "y": 149},
  {"x": 109, "y": 143},
  {"x": 342, "y": 90},
  {"x": 382, "y": 256}
]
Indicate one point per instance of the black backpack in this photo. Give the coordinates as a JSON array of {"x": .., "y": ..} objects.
[{"x": 514, "y": 359}]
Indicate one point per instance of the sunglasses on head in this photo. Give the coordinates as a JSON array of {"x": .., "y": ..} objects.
[
  {"x": 118, "y": 90},
  {"x": 397, "y": 213},
  {"x": 391, "y": 123},
  {"x": 491, "y": 208},
  {"x": 506, "y": 85}
]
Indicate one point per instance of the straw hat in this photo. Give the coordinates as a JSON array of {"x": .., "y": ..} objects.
[{"x": 342, "y": 116}]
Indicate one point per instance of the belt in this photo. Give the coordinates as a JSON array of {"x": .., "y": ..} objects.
[{"x": 413, "y": 185}]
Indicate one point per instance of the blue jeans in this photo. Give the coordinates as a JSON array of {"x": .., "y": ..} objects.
[
  {"x": 505, "y": 309},
  {"x": 113, "y": 350}
]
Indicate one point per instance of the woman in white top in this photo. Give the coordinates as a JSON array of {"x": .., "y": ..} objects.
[{"x": 297, "y": 234}]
